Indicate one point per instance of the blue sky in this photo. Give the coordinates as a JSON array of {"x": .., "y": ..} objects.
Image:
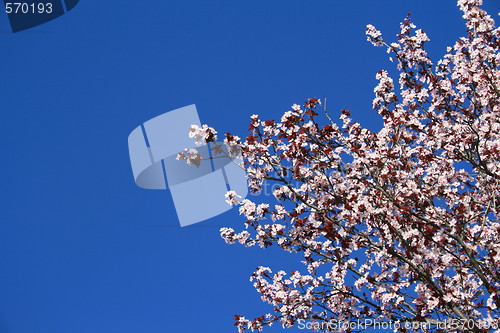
[{"x": 82, "y": 248}]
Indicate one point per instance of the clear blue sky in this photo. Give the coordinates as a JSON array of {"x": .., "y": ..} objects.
[{"x": 82, "y": 248}]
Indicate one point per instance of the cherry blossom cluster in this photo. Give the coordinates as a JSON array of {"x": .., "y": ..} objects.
[
  {"x": 192, "y": 156},
  {"x": 202, "y": 134},
  {"x": 396, "y": 225}
]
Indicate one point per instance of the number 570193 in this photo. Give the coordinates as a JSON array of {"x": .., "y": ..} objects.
[{"x": 28, "y": 8}]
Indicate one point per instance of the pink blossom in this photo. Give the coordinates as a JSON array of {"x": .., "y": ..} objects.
[{"x": 398, "y": 224}]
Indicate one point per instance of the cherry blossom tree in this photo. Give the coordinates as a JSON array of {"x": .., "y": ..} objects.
[{"x": 399, "y": 225}]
